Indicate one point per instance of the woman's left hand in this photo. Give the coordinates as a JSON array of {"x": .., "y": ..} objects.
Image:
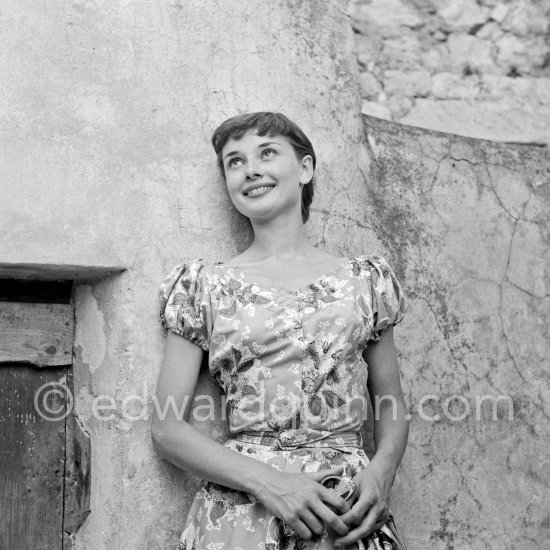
[{"x": 372, "y": 507}]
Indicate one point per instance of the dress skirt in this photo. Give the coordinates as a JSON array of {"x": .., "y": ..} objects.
[{"x": 221, "y": 518}]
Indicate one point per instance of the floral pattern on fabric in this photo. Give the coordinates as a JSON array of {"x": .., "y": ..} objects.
[
  {"x": 290, "y": 364},
  {"x": 225, "y": 518}
]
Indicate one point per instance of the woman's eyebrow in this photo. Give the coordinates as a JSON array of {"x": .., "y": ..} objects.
[
  {"x": 231, "y": 154},
  {"x": 264, "y": 144},
  {"x": 268, "y": 143}
]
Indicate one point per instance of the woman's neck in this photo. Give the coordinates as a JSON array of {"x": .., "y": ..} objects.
[{"x": 279, "y": 238}]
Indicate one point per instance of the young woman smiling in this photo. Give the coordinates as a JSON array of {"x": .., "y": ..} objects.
[{"x": 295, "y": 337}]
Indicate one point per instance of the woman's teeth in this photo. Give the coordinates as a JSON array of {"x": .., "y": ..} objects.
[{"x": 259, "y": 191}]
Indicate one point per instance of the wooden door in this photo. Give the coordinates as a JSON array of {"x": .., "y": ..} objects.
[{"x": 44, "y": 455}]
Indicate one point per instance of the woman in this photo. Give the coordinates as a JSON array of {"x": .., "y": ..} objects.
[{"x": 290, "y": 331}]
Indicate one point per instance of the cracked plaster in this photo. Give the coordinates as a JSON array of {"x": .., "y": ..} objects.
[{"x": 466, "y": 224}]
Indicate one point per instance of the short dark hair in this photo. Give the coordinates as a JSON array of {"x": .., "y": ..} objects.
[{"x": 268, "y": 124}]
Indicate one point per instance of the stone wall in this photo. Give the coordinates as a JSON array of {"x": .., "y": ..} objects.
[{"x": 479, "y": 69}]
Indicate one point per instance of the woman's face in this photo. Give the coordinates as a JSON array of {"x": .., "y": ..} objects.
[{"x": 264, "y": 176}]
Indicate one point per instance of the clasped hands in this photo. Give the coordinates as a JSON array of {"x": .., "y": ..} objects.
[{"x": 305, "y": 505}]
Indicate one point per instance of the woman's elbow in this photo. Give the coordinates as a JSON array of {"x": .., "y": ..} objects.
[
  {"x": 158, "y": 435},
  {"x": 167, "y": 435}
]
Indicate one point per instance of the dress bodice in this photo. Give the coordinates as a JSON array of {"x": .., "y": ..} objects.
[{"x": 289, "y": 362}]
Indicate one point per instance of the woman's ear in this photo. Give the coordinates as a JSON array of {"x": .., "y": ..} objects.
[{"x": 306, "y": 172}]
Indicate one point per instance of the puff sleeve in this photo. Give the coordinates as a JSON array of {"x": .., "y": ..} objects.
[
  {"x": 388, "y": 303},
  {"x": 185, "y": 305}
]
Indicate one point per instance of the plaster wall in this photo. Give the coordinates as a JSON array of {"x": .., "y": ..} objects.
[
  {"x": 106, "y": 110},
  {"x": 466, "y": 223}
]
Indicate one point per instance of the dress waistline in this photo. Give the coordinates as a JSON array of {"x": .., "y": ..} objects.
[{"x": 291, "y": 439}]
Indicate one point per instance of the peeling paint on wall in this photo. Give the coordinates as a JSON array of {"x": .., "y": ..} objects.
[{"x": 90, "y": 335}]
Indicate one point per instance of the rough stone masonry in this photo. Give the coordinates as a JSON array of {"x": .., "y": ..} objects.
[{"x": 479, "y": 69}]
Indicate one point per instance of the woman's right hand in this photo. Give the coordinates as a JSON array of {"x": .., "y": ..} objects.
[{"x": 301, "y": 501}]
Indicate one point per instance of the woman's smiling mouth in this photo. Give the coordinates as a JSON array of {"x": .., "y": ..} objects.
[{"x": 258, "y": 190}]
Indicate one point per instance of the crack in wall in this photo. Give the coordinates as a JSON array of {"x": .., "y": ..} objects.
[
  {"x": 500, "y": 306},
  {"x": 337, "y": 215},
  {"x": 442, "y": 331}
]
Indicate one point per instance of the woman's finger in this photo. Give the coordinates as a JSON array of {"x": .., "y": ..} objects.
[
  {"x": 299, "y": 527},
  {"x": 365, "y": 527},
  {"x": 312, "y": 522},
  {"x": 359, "y": 510},
  {"x": 335, "y": 501},
  {"x": 382, "y": 519},
  {"x": 330, "y": 519}
]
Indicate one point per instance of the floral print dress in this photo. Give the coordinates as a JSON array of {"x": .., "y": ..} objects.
[{"x": 291, "y": 367}]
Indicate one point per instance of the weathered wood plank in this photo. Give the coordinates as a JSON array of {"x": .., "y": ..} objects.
[
  {"x": 41, "y": 334},
  {"x": 32, "y": 458}
]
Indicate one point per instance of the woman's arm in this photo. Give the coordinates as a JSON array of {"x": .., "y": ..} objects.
[
  {"x": 391, "y": 430},
  {"x": 295, "y": 498}
]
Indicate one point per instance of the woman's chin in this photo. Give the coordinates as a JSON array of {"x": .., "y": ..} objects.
[
  {"x": 262, "y": 209},
  {"x": 266, "y": 208}
]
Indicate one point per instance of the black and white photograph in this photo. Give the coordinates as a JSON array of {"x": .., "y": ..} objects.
[{"x": 274, "y": 275}]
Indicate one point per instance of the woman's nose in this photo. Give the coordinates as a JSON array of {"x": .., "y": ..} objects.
[{"x": 252, "y": 171}]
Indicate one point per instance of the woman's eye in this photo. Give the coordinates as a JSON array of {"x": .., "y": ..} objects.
[
  {"x": 268, "y": 152},
  {"x": 234, "y": 162}
]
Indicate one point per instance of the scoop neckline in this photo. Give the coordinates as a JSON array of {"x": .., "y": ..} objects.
[{"x": 274, "y": 286}]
